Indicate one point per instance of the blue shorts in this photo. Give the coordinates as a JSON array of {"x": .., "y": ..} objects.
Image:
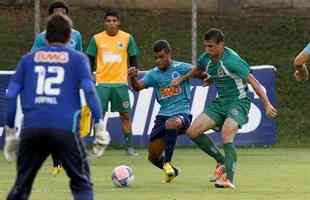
[{"x": 159, "y": 128}]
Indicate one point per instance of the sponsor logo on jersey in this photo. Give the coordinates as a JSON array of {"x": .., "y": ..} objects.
[
  {"x": 170, "y": 91},
  {"x": 51, "y": 57},
  {"x": 111, "y": 58}
]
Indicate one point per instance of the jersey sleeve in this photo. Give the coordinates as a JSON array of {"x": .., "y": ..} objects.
[
  {"x": 92, "y": 47},
  {"x": 38, "y": 42},
  {"x": 83, "y": 71},
  {"x": 19, "y": 75},
  {"x": 148, "y": 79},
  {"x": 132, "y": 47},
  {"x": 239, "y": 67},
  {"x": 201, "y": 63},
  {"x": 79, "y": 46},
  {"x": 307, "y": 48}
]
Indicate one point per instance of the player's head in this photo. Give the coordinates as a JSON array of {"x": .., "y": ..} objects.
[
  {"x": 111, "y": 22},
  {"x": 58, "y": 7},
  {"x": 214, "y": 42},
  {"x": 162, "y": 51},
  {"x": 58, "y": 29}
]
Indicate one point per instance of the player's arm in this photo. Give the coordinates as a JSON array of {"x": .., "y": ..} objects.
[
  {"x": 133, "y": 52},
  {"x": 15, "y": 87},
  {"x": 300, "y": 67},
  {"x": 91, "y": 52},
  {"x": 195, "y": 72},
  {"x": 136, "y": 84},
  {"x": 270, "y": 110}
]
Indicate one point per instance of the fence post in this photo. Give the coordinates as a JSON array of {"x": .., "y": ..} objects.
[{"x": 194, "y": 32}]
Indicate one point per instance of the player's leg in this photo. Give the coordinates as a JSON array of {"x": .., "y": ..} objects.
[
  {"x": 196, "y": 131},
  {"x": 102, "y": 141},
  {"x": 32, "y": 153},
  {"x": 120, "y": 102},
  {"x": 73, "y": 157},
  {"x": 237, "y": 116},
  {"x": 155, "y": 152},
  {"x": 228, "y": 133}
]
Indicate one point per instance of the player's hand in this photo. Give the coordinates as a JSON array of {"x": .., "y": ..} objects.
[
  {"x": 207, "y": 82},
  {"x": 132, "y": 72},
  {"x": 102, "y": 139},
  {"x": 301, "y": 75},
  {"x": 271, "y": 111},
  {"x": 11, "y": 142},
  {"x": 176, "y": 82}
]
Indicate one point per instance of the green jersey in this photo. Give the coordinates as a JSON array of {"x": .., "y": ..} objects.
[{"x": 228, "y": 75}]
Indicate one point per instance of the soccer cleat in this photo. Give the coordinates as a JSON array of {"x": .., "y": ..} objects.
[
  {"x": 170, "y": 172},
  {"x": 218, "y": 173},
  {"x": 131, "y": 152},
  {"x": 55, "y": 170},
  {"x": 224, "y": 183}
]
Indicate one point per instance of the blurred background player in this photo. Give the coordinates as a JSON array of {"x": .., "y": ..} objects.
[
  {"x": 230, "y": 74},
  {"x": 110, "y": 53},
  {"x": 49, "y": 80},
  {"x": 75, "y": 42},
  {"x": 301, "y": 72},
  {"x": 174, "y": 116}
]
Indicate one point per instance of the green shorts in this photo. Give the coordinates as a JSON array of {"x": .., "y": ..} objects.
[
  {"x": 237, "y": 110},
  {"x": 117, "y": 94}
]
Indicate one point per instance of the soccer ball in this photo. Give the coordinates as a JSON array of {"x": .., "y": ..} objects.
[{"x": 122, "y": 176}]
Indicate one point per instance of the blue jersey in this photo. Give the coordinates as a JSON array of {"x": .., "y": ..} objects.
[
  {"x": 50, "y": 80},
  {"x": 172, "y": 100},
  {"x": 307, "y": 49},
  {"x": 74, "y": 43}
]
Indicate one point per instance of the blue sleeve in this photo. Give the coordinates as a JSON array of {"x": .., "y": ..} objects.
[
  {"x": 148, "y": 79},
  {"x": 92, "y": 98},
  {"x": 19, "y": 76},
  {"x": 186, "y": 68},
  {"x": 39, "y": 42},
  {"x": 13, "y": 91},
  {"x": 83, "y": 69},
  {"x": 307, "y": 48},
  {"x": 79, "y": 46}
]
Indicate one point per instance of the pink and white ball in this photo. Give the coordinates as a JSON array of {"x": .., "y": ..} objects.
[{"x": 122, "y": 176}]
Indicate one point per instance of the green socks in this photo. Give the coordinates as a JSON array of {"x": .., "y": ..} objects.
[
  {"x": 128, "y": 140},
  {"x": 206, "y": 144},
  {"x": 230, "y": 160}
]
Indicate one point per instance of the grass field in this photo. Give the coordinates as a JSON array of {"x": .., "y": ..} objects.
[{"x": 274, "y": 173}]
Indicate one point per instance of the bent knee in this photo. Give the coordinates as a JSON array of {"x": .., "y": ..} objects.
[{"x": 174, "y": 123}]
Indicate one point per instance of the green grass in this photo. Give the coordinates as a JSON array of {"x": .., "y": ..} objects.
[{"x": 273, "y": 173}]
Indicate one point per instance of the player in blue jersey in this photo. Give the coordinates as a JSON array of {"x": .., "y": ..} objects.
[
  {"x": 48, "y": 81},
  {"x": 174, "y": 116},
  {"x": 301, "y": 72},
  {"x": 59, "y": 7},
  {"x": 75, "y": 42}
]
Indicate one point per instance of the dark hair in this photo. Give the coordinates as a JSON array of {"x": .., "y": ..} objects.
[
  {"x": 58, "y": 4},
  {"x": 215, "y": 34},
  {"x": 113, "y": 13},
  {"x": 160, "y": 45},
  {"x": 58, "y": 28}
]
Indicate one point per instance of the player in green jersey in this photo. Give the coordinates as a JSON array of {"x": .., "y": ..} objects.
[{"x": 230, "y": 74}]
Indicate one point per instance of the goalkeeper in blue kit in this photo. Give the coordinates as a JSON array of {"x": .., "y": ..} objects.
[{"x": 48, "y": 81}]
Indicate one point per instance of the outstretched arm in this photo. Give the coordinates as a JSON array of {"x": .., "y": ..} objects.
[
  {"x": 136, "y": 84},
  {"x": 300, "y": 68},
  {"x": 270, "y": 110},
  {"x": 193, "y": 73}
]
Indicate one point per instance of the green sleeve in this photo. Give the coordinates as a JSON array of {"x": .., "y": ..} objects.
[
  {"x": 92, "y": 48},
  {"x": 239, "y": 67},
  {"x": 79, "y": 43},
  {"x": 132, "y": 47},
  {"x": 202, "y": 62}
]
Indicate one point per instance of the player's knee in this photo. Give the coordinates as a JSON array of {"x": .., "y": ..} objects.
[
  {"x": 227, "y": 137},
  {"x": 192, "y": 133},
  {"x": 173, "y": 123}
]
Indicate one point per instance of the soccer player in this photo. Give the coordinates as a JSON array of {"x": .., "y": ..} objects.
[
  {"x": 75, "y": 42},
  {"x": 48, "y": 81},
  {"x": 113, "y": 50},
  {"x": 301, "y": 72},
  {"x": 230, "y": 74},
  {"x": 174, "y": 116}
]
